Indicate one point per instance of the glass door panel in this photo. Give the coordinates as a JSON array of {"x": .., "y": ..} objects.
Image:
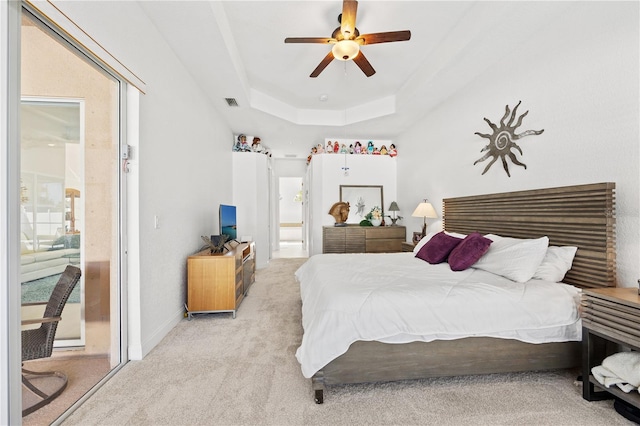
[
  {"x": 70, "y": 201},
  {"x": 51, "y": 161}
]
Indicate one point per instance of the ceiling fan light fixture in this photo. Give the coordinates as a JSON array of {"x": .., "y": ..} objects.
[
  {"x": 346, "y": 40},
  {"x": 345, "y": 50}
]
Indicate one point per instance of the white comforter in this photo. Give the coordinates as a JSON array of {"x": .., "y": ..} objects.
[{"x": 397, "y": 298}]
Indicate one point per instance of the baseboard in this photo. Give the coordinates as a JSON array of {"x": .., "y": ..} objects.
[{"x": 138, "y": 352}]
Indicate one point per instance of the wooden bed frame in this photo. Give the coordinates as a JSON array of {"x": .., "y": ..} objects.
[{"x": 580, "y": 215}]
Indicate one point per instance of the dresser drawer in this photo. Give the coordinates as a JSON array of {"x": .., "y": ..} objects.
[
  {"x": 380, "y": 245},
  {"x": 385, "y": 232}
]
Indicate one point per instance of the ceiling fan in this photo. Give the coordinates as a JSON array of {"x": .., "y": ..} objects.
[{"x": 346, "y": 40}]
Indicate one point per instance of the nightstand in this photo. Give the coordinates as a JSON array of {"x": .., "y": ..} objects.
[
  {"x": 406, "y": 246},
  {"x": 609, "y": 316}
]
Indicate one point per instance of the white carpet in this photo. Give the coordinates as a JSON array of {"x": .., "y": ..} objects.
[{"x": 215, "y": 370}]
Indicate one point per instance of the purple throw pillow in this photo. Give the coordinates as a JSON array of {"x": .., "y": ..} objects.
[
  {"x": 468, "y": 251},
  {"x": 437, "y": 249}
]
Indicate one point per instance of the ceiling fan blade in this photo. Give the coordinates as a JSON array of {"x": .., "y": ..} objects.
[
  {"x": 384, "y": 37},
  {"x": 362, "y": 62},
  {"x": 322, "y": 65},
  {"x": 322, "y": 40},
  {"x": 348, "y": 21}
]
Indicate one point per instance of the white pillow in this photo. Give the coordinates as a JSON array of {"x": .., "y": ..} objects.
[
  {"x": 513, "y": 258},
  {"x": 556, "y": 263},
  {"x": 430, "y": 235}
]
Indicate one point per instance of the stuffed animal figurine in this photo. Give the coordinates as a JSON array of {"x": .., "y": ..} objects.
[
  {"x": 255, "y": 145},
  {"x": 329, "y": 147},
  {"x": 241, "y": 144},
  {"x": 314, "y": 150},
  {"x": 245, "y": 145}
]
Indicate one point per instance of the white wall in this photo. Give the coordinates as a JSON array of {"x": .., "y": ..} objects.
[
  {"x": 290, "y": 208},
  {"x": 325, "y": 176},
  {"x": 294, "y": 167},
  {"x": 252, "y": 175},
  {"x": 183, "y": 160},
  {"x": 578, "y": 78}
]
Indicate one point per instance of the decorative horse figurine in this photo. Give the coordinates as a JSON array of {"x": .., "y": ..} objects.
[{"x": 340, "y": 212}]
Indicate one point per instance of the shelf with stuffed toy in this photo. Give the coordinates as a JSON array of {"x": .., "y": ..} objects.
[
  {"x": 354, "y": 147},
  {"x": 241, "y": 144}
]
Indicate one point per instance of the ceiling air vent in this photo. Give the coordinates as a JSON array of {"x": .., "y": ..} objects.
[
  {"x": 290, "y": 155},
  {"x": 231, "y": 102}
]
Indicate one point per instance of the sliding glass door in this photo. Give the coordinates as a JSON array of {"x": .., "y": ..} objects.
[{"x": 70, "y": 203}]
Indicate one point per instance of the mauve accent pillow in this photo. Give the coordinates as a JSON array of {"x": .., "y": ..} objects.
[
  {"x": 437, "y": 249},
  {"x": 468, "y": 251},
  {"x": 423, "y": 241},
  {"x": 430, "y": 235}
]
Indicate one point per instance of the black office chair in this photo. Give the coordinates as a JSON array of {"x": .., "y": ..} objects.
[{"x": 38, "y": 343}]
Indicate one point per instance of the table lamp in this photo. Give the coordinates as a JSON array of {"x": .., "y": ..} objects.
[
  {"x": 425, "y": 210},
  {"x": 394, "y": 208}
]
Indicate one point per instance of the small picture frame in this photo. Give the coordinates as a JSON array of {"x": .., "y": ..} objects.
[{"x": 417, "y": 236}]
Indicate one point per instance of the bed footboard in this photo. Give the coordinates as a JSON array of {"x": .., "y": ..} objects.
[{"x": 367, "y": 362}]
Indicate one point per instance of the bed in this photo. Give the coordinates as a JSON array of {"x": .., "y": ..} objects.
[{"x": 335, "y": 289}]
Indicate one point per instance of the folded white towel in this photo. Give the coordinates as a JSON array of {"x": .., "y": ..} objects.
[{"x": 621, "y": 369}]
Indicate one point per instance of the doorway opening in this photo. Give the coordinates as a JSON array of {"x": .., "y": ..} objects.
[{"x": 290, "y": 221}]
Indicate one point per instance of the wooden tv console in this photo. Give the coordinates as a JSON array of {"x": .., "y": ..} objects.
[{"x": 219, "y": 282}]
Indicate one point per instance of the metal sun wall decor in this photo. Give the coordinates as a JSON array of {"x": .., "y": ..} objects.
[{"x": 502, "y": 140}]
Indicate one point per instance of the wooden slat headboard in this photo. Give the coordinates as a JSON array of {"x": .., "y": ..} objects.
[{"x": 579, "y": 215}]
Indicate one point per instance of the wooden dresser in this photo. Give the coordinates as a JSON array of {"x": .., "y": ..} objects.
[
  {"x": 219, "y": 282},
  {"x": 362, "y": 239}
]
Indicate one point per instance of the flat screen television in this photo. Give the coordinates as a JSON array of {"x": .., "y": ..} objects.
[{"x": 228, "y": 223}]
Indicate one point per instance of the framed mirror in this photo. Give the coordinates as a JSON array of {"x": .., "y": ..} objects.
[{"x": 361, "y": 199}]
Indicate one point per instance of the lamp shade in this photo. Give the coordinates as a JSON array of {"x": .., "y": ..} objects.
[
  {"x": 426, "y": 210},
  {"x": 394, "y": 207},
  {"x": 345, "y": 50}
]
